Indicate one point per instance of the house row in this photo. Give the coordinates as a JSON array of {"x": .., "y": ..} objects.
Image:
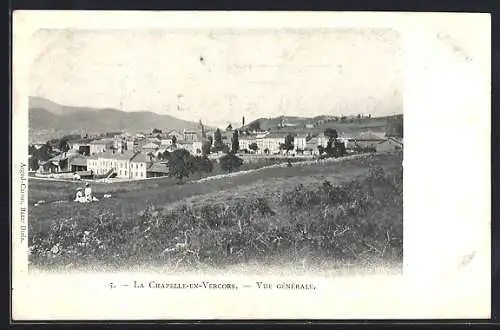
[
  {"x": 266, "y": 142},
  {"x": 125, "y": 165},
  {"x": 269, "y": 143}
]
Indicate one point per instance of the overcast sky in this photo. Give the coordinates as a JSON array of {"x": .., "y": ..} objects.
[{"x": 218, "y": 76}]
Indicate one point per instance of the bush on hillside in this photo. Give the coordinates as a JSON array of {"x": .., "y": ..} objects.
[{"x": 319, "y": 222}]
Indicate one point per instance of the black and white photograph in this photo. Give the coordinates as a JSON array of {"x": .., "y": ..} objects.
[
  {"x": 216, "y": 148},
  {"x": 230, "y": 149}
]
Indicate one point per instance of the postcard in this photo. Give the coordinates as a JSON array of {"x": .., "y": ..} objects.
[{"x": 250, "y": 165}]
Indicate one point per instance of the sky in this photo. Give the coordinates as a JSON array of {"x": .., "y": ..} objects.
[{"x": 219, "y": 76}]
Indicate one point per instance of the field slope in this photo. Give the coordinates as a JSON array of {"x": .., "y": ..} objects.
[{"x": 309, "y": 215}]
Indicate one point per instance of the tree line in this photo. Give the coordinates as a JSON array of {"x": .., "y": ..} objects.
[{"x": 182, "y": 163}]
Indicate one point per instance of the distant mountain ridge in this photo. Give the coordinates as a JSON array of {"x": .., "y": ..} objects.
[{"x": 47, "y": 115}]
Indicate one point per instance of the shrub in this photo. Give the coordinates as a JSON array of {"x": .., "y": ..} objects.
[
  {"x": 319, "y": 221},
  {"x": 230, "y": 162}
]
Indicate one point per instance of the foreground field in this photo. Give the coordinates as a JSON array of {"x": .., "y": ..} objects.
[{"x": 347, "y": 211}]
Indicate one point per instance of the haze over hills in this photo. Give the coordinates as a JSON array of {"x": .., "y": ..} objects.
[{"x": 47, "y": 115}]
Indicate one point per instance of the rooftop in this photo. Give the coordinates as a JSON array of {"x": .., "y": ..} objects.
[
  {"x": 103, "y": 141},
  {"x": 140, "y": 158},
  {"x": 275, "y": 135},
  {"x": 150, "y": 145},
  {"x": 247, "y": 137},
  {"x": 79, "y": 161},
  {"x": 108, "y": 154},
  {"x": 369, "y": 136},
  {"x": 157, "y": 167}
]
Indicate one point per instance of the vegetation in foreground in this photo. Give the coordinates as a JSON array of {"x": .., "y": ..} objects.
[{"x": 358, "y": 222}]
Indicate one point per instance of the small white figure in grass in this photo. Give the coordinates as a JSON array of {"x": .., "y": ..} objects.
[
  {"x": 88, "y": 192},
  {"x": 79, "y": 196}
]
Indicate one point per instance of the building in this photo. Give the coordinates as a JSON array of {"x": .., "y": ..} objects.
[
  {"x": 183, "y": 145},
  {"x": 389, "y": 144},
  {"x": 312, "y": 146},
  {"x": 57, "y": 164},
  {"x": 126, "y": 165},
  {"x": 47, "y": 167},
  {"x": 366, "y": 140},
  {"x": 81, "y": 146},
  {"x": 300, "y": 142},
  {"x": 270, "y": 143},
  {"x": 130, "y": 144},
  {"x": 154, "y": 140},
  {"x": 165, "y": 142},
  {"x": 178, "y": 135},
  {"x": 119, "y": 143},
  {"x": 149, "y": 147},
  {"x": 156, "y": 169},
  {"x": 323, "y": 140},
  {"x": 246, "y": 141},
  {"x": 190, "y": 136},
  {"x": 102, "y": 145},
  {"x": 78, "y": 163}
]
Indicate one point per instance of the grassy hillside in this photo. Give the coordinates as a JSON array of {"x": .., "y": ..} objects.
[
  {"x": 305, "y": 215},
  {"x": 378, "y": 124}
]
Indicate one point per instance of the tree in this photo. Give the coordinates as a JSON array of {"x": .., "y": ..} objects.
[
  {"x": 84, "y": 150},
  {"x": 230, "y": 162},
  {"x": 63, "y": 164},
  {"x": 235, "y": 143},
  {"x": 332, "y": 138},
  {"x": 321, "y": 149},
  {"x": 254, "y": 126},
  {"x": 203, "y": 165},
  {"x": 205, "y": 148},
  {"x": 180, "y": 164},
  {"x": 164, "y": 155},
  {"x": 288, "y": 143},
  {"x": 253, "y": 146},
  {"x": 63, "y": 145},
  {"x": 156, "y": 131},
  {"x": 329, "y": 147},
  {"x": 394, "y": 128},
  {"x": 335, "y": 148},
  {"x": 339, "y": 149},
  {"x": 33, "y": 163},
  {"x": 225, "y": 148},
  {"x": 44, "y": 153},
  {"x": 218, "y": 145},
  {"x": 331, "y": 133},
  {"x": 174, "y": 140}
]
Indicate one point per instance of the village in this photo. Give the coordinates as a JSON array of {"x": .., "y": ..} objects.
[{"x": 123, "y": 156}]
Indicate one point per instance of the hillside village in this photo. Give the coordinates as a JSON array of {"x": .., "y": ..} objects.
[{"x": 137, "y": 156}]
